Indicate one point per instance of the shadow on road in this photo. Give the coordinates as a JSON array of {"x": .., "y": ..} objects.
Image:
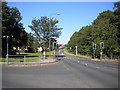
[{"x": 59, "y": 56}]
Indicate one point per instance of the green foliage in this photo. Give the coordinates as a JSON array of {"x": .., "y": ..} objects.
[
  {"x": 11, "y": 26},
  {"x": 44, "y": 29},
  {"x": 32, "y": 43},
  {"x": 105, "y": 28}
]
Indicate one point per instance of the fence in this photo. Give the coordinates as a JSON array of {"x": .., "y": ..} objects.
[{"x": 24, "y": 59}]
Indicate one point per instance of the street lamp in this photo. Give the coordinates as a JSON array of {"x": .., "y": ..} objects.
[
  {"x": 7, "y": 48},
  {"x": 50, "y": 29}
]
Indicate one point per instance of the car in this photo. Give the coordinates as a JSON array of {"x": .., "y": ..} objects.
[{"x": 62, "y": 54}]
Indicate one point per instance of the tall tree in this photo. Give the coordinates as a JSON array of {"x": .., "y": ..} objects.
[
  {"x": 105, "y": 28},
  {"x": 11, "y": 26},
  {"x": 45, "y": 29}
]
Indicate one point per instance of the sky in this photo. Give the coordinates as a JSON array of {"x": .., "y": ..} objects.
[{"x": 73, "y": 15}]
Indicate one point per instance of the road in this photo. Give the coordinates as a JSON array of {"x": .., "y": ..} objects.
[{"x": 69, "y": 72}]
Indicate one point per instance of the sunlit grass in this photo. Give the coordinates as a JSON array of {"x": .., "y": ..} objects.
[
  {"x": 69, "y": 52},
  {"x": 35, "y": 54},
  {"x": 27, "y": 59},
  {"x": 30, "y": 57}
]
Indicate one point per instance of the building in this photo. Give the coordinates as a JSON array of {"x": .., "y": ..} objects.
[{"x": 61, "y": 46}]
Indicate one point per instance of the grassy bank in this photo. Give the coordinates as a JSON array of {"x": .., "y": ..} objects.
[
  {"x": 69, "y": 52},
  {"x": 85, "y": 56}
]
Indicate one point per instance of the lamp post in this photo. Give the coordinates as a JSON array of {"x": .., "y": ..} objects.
[
  {"x": 7, "y": 43},
  {"x": 50, "y": 30},
  {"x": 7, "y": 48}
]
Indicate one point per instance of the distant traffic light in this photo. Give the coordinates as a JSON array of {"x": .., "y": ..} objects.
[
  {"x": 54, "y": 45},
  {"x": 102, "y": 45},
  {"x": 94, "y": 46}
]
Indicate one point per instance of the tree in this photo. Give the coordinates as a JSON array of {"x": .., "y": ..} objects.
[
  {"x": 105, "y": 28},
  {"x": 73, "y": 42},
  {"x": 117, "y": 5},
  {"x": 116, "y": 23},
  {"x": 32, "y": 43},
  {"x": 44, "y": 29},
  {"x": 11, "y": 26}
]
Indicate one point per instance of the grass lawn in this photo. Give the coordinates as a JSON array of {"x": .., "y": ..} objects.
[
  {"x": 21, "y": 59},
  {"x": 30, "y": 54},
  {"x": 30, "y": 57},
  {"x": 35, "y": 54}
]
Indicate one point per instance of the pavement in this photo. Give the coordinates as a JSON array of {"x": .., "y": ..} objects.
[
  {"x": 69, "y": 72},
  {"x": 46, "y": 61}
]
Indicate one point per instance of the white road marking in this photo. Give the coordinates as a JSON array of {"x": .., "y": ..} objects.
[
  {"x": 86, "y": 64},
  {"x": 66, "y": 67},
  {"x": 97, "y": 67}
]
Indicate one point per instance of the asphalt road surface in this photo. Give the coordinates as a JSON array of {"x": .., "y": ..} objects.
[{"x": 69, "y": 72}]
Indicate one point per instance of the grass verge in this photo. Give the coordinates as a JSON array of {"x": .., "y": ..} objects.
[
  {"x": 85, "y": 56},
  {"x": 30, "y": 57}
]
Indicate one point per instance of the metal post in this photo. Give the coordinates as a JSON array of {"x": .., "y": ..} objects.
[
  {"x": 39, "y": 59},
  {"x": 76, "y": 50},
  {"x": 24, "y": 60},
  {"x": 111, "y": 57},
  {"x": 44, "y": 55},
  {"x": 7, "y": 50},
  {"x": 7, "y": 45},
  {"x": 101, "y": 54},
  {"x": 7, "y": 59},
  {"x": 7, "y": 37},
  {"x": 94, "y": 53}
]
